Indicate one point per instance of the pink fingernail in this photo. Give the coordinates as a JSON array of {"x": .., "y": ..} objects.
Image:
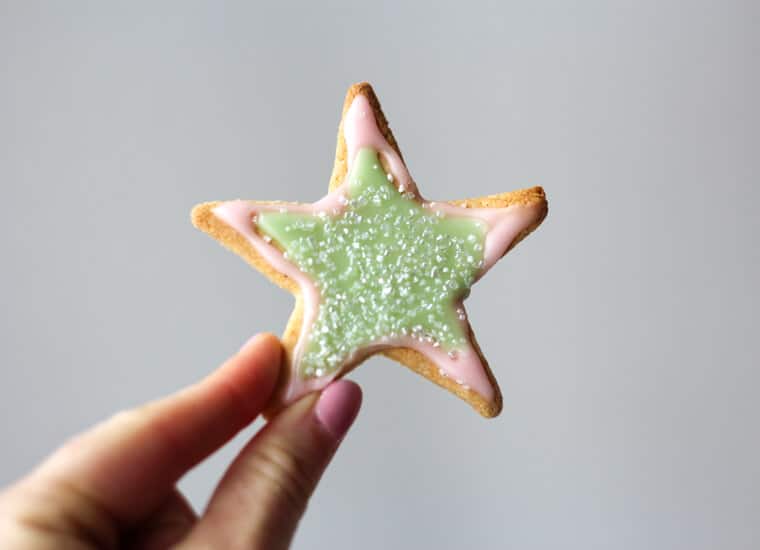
[{"x": 338, "y": 406}]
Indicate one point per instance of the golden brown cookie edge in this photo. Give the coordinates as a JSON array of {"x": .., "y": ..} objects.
[{"x": 203, "y": 218}]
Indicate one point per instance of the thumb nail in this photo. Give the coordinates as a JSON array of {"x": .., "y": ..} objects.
[{"x": 338, "y": 406}]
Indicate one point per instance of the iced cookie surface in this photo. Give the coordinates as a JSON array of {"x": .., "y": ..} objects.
[{"x": 374, "y": 266}]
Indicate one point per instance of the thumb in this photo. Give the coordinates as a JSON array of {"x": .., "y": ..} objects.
[{"x": 264, "y": 493}]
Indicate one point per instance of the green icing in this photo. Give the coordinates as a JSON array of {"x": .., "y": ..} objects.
[{"x": 386, "y": 267}]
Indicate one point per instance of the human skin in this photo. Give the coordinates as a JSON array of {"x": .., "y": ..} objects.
[{"x": 114, "y": 486}]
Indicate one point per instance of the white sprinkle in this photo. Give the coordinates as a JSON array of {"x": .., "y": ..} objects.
[{"x": 387, "y": 262}]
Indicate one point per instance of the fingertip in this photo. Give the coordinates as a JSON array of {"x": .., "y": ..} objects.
[
  {"x": 264, "y": 350},
  {"x": 258, "y": 366},
  {"x": 264, "y": 341}
]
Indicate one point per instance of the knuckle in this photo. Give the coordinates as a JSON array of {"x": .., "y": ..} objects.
[
  {"x": 56, "y": 510},
  {"x": 287, "y": 476}
]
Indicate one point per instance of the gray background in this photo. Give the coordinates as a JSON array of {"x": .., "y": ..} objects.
[{"x": 623, "y": 332}]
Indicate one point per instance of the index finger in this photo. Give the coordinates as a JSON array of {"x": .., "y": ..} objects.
[{"x": 129, "y": 463}]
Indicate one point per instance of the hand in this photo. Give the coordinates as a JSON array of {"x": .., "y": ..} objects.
[{"x": 115, "y": 485}]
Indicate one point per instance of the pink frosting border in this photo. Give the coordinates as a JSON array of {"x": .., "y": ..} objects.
[{"x": 360, "y": 130}]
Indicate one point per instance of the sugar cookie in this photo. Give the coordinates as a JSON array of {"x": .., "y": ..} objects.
[{"x": 374, "y": 267}]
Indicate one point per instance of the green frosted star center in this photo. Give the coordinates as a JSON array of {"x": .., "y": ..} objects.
[{"x": 385, "y": 267}]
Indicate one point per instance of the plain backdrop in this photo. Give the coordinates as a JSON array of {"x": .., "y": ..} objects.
[{"x": 623, "y": 332}]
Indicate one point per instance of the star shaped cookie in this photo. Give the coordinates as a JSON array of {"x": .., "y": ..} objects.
[{"x": 376, "y": 268}]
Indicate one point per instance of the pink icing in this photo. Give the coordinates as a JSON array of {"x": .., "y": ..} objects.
[{"x": 360, "y": 130}]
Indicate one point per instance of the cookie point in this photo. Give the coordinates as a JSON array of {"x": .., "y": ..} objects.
[
  {"x": 360, "y": 88},
  {"x": 200, "y": 213},
  {"x": 489, "y": 409}
]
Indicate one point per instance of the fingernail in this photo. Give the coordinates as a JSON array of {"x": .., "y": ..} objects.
[{"x": 338, "y": 406}]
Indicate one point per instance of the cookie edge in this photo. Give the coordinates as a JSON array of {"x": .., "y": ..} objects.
[{"x": 203, "y": 218}]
